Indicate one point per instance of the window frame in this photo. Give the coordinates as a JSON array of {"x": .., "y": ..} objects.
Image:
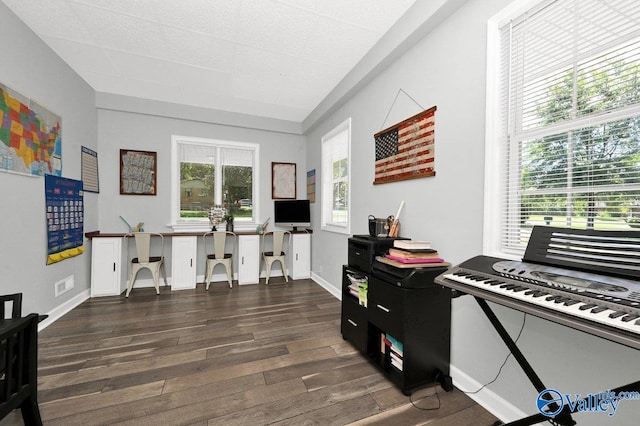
[
  {"x": 326, "y": 224},
  {"x": 495, "y": 195},
  {"x": 202, "y": 224}
]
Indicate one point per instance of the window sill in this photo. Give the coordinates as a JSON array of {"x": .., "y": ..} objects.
[
  {"x": 337, "y": 229},
  {"x": 199, "y": 226}
]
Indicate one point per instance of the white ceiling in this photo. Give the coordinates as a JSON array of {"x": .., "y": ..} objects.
[{"x": 269, "y": 58}]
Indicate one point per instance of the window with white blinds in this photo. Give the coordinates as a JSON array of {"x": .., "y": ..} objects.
[
  {"x": 212, "y": 173},
  {"x": 568, "y": 119}
]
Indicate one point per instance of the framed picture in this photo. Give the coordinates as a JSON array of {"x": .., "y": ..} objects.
[
  {"x": 137, "y": 172},
  {"x": 89, "y": 170},
  {"x": 283, "y": 180}
]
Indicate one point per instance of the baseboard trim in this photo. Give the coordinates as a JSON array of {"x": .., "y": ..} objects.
[
  {"x": 67, "y": 306},
  {"x": 489, "y": 400},
  {"x": 326, "y": 285}
]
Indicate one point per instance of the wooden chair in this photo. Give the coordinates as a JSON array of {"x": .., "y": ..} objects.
[
  {"x": 18, "y": 361},
  {"x": 218, "y": 248},
  {"x": 144, "y": 260},
  {"x": 277, "y": 253}
]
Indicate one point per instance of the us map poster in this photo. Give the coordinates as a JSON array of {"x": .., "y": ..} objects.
[
  {"x": 64, "y": 203},
  {"x": 30, "y": 136}
]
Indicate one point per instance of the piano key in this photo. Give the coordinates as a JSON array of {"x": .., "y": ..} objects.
[
  {"x": 589, "y": 311},
  {"x": 617, "y": 314},
  {"x": 587, "y": 306},
  {"x": 629, "y": 317}
]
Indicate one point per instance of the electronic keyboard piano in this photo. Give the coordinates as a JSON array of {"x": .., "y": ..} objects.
[
  {"x": 605, "y": 306},
  {"x": 585, "y": 279},
  {"x": 599, "y": 294}
]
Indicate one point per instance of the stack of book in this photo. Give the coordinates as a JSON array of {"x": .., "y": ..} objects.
[
  {"x": 395, "y": 350},
  {"x": 414, "y": 253},
  {"x": 358, "y": 288}
]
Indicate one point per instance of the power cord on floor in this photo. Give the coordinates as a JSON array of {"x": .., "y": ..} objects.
[
  {"x": 426, "y": 397},
  {"x": 435, "y": 387},
  {"x": 524, "y": 320}
]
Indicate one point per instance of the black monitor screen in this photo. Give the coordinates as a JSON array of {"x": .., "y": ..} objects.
[{"x": 291, "y": 213}]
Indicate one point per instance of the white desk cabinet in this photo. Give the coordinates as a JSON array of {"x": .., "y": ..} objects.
[
  {"x": 106, "y": 263},
  {"x": 299, "y": 257},
  {"x": 248, "y": 259},
  {"x": 109, "y": 263},
  {"x": 184, "y": 251}
]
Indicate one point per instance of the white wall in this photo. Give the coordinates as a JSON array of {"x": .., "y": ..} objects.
[
  {"x": 32, "y": 69},
  {"x": 448, "y": 69}
]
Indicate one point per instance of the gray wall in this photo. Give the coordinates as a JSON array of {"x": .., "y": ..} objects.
[
  {"x": 140, "y": 131},
  {"x": 448, "y": 69},
  {"x": 31, "y": 68}
]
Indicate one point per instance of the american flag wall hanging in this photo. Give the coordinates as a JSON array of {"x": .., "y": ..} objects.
[{"x": 406, "y": 150}]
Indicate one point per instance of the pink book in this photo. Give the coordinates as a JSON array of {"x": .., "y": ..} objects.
[{"x": 403, "y": 260}]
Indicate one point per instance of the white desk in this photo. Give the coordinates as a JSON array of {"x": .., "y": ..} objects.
[{"x": 109, "y": 275}]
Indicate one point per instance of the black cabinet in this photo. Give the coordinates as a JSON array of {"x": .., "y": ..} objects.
[
  {"x": 404, "y": 331},
  {"x": 419, "y": 319},
  {"x": 354, "y": 324}
]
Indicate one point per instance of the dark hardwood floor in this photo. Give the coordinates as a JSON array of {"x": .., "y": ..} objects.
[{"x": 251, "y": 355}]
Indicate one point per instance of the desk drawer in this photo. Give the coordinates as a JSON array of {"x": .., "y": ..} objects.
[
  {"x": 354, "y": 325},
  {"x": 386, "y": 307}
]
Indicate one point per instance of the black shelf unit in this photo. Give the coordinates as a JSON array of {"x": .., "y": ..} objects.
[{"x": 418, "y": 318}]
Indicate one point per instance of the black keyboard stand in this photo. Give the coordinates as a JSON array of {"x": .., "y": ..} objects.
[{"x": 564, "y": 417}]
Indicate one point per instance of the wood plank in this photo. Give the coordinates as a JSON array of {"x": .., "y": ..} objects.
[{"x": 252, "y": 354}]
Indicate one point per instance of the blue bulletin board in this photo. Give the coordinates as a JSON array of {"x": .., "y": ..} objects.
[{"x": 64, "y": 202}]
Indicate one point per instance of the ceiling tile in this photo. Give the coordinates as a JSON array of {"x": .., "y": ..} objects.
[
  {"x": 198, "y": 49},
  {"x": 375, "y": 15},
  {"x": 52, "y": 18},
  {"x": 83, "y": 57},
  {"x": 139, "y": 8},
  {"x": 213, "y": 17},
  {"x": 335, "y": 42},
  {"x": 254, "y": 62},
  {"x": 273, "y": 26},
  {"x": 273, "y": 58},
  {"x": 122, "y": 32}
]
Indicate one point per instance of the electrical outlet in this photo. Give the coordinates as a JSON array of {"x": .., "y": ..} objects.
[{"x": 64, "y": 286}]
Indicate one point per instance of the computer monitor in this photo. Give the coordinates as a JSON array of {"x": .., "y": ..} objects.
[{"x": 291, "y": 213}]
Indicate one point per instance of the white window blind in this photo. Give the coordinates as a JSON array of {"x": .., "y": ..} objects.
[{"x": 570, "y": 138}]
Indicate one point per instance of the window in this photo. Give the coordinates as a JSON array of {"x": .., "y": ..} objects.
[
  {"x": 563, "y": 123},
  {"x": 209, "y": 173},
  {"x": 336, "y": 167}
]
